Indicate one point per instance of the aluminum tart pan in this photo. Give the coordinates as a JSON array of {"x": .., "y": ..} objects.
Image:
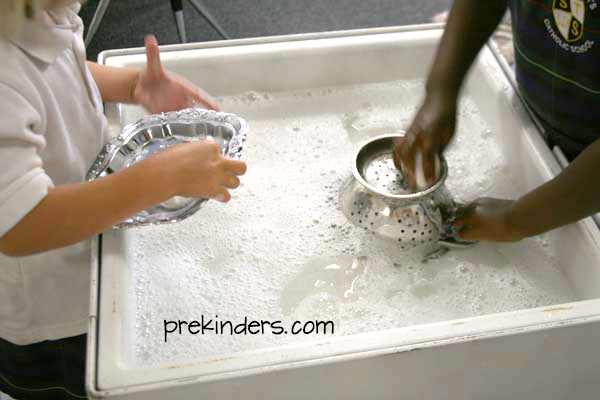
[{"x": 157, "y": 132}]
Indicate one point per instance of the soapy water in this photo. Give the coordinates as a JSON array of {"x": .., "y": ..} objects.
[
  {"x": 283, "y": 250},
  {"x": 328, "y": 280}
]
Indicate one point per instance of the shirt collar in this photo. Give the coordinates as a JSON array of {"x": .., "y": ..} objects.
[{"x": 47, "y": 35}]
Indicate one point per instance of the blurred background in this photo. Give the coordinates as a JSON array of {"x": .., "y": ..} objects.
[{"x": 127, "y": 21}]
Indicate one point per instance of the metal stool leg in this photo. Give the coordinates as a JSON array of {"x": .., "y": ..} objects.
[
  {"x": 96, "y": 20},
  {"x": 177, "y": 7},
  {"x": 204, "y": 12}
]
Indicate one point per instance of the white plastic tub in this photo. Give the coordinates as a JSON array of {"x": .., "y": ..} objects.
[{"x": 545, "y": 353}]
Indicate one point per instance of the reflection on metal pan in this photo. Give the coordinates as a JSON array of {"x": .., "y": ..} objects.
[
  {"x": 376, "y": 199},
  {"x": 155, "y": 133}
]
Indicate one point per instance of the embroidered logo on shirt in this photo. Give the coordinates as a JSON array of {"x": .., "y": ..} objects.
[{"x": 569, "y": 16}]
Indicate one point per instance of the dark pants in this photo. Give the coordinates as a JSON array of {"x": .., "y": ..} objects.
[
  {"x": 569, "y": 145},
  {"x": 50, "y": 370}
]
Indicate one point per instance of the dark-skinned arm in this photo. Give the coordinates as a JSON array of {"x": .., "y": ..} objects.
[
  {"x": 572, "y": 195},
  {"x": 470, "y": 24}
]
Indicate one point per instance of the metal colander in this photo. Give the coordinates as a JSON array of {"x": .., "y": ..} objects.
[{"x": 376, "y": 199}]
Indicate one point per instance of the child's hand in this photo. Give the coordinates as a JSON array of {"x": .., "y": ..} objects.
[
  {"x": 487, "y": 219},
  {"x": 159, "y": 90},
  {"x": 198, "y": 169},
  {"x": 428, "y": 135}
]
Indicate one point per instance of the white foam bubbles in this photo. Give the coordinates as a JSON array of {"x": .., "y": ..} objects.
[{"x": 265, "y": 255}]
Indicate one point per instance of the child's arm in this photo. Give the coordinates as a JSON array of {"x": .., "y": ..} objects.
[
  {"x": 153, "y": 87},
  {"x": 571, "y": 196},
  {"x": 116, "y": 84},
  {"x": 470, "y": 24},
  {"x": 71, "y": 213}
]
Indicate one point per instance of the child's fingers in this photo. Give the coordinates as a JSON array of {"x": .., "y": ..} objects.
[
  {"x": 466, "y": 224},
  {"x": 231, "y": 181},
  {"x": 469, "y": 232},
  {"x": 397, "y": 149},
  {"x": 458, "y": 224},
  {"x": 235, "y": 167},
  {"x": 461, "y": 227},
  {"x": 407, "y": 159},
  {"x": 420, "y": 179},
  {"x": 152, "y": 56},
  {"x": 222, "y": 195},
  {"x": 199, "y": 96},
  {"x": 431, "y": 166}
]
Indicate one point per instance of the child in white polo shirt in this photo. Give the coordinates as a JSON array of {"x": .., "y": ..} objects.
[{"x": 51, "y": 129}]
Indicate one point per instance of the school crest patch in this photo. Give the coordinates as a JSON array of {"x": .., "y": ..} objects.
[{"x": 569, "y": 16}]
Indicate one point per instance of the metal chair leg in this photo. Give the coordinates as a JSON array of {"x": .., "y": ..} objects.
[
  {"x": 177, "y": 7},
  {"x": 204, "y": 12},
  {"x": 96, "y": 20}
]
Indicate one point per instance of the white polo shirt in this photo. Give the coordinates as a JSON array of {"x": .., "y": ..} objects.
[{"x": 52, "y": 127}]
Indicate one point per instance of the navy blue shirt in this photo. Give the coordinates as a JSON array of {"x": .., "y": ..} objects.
[{"x": 557, "y": 54}]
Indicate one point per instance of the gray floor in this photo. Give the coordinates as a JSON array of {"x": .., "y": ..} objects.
[{"x": 126, "y": 21}]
